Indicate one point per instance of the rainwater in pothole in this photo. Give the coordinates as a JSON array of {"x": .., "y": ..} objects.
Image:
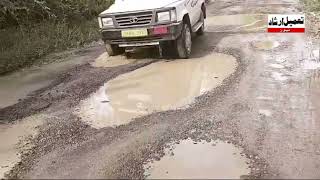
[
  {"x": 226, "y": 23},
  {"x": 201, "y": 160},
  {"x": 14, "y": 139},
  {"x": 265, "y": 45},
  {"x": 106, "y": 61},
  {"x": 157, "y": 87}
]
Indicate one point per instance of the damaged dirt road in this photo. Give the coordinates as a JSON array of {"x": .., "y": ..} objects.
[{"x": 245, "y": 105}]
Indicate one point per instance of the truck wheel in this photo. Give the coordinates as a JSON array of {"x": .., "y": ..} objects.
[
  {"x": 114, "y": 50},
  {"x": 200, "y": 31},
  {"x": 183, "y": 44}
]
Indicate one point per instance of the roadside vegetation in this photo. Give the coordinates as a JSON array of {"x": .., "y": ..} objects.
[{"x": 30, "y": 29}]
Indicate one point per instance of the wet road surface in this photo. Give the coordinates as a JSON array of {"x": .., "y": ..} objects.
[
  {"x": 19, "y": 85},
  {"x": 246, "y": 105},
  {"x": 15, "y": 138}
]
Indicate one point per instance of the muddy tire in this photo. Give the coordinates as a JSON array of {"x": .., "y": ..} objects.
[
  {"x": 183, "y": 44},
  {"x": 200, "y": 31},
  {"x": 114, "y": 50}
]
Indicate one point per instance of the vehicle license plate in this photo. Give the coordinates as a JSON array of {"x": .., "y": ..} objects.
[{"x": 134, "y": 33}]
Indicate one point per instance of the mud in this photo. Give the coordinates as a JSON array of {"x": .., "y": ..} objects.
[
  {"x": 239, "y": 19},
  {"x": 67, "y": 90},
  {"x": 283, "y": 106},
  {"x": 274, "y": 121},
  {"x": 277, "y": 66},
  {"x": 266, "y": 45},
  {"x": 158, "y": 87},
  {"x": 18, "y": 85},
  {"x": 311, "y": 65},
  {"x": 236, "y": 23},
  {"x": 199, "y": 160},
  {"x": 15, "y": 139},
  {"x": 105, "y": 61},
  {"x": 314, "y": 85}
]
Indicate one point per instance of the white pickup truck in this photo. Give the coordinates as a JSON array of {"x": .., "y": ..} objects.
[{"x": 168, "y": 24}]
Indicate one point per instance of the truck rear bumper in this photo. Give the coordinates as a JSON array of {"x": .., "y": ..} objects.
[{"x": 154, "y": 37}]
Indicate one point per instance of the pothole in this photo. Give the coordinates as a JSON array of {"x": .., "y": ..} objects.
[
  {"x": 14, "y": 139},
  {"x": 279, "y": 76},
  {"x": 246, "y": 22},
  {"x": 104, "y": 60},
  {"x": 160, "y": 86},
  {"x": 201, "y": 160},
  {"x": 265, "y": 45},
  {"x": 239, "y": 19},
  {"x": 231, "y": 9},
  {"x": 277, "y": 66}
]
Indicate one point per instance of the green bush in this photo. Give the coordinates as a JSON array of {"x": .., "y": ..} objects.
[
  {"x": 30, "y": 29},
  {"x": 24, "y": 12},
  {"x": 19, "y": 48}
]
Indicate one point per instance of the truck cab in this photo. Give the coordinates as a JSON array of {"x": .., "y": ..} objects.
[{"x": 168, "y": 24}]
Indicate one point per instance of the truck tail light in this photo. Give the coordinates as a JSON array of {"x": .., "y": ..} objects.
[{"x": 160, "y": 30}]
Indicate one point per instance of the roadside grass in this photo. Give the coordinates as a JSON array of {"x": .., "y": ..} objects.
[{"x": 20, "y": 47}]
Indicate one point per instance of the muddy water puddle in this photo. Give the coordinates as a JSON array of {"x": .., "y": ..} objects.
[
  {"x": 15, "y": 138},
  {"x": 105, "y": 61},
  {"x": 246, "y": 22},
  {"x": 201, "y": 160},
  {"x": 160, "y": 86},
  {"x": 265, "y": 45}
]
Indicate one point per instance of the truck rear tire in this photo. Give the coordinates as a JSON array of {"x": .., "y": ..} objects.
[
  {"x": 183, "y": 44},
  {"x": 114, "y": 50}
]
